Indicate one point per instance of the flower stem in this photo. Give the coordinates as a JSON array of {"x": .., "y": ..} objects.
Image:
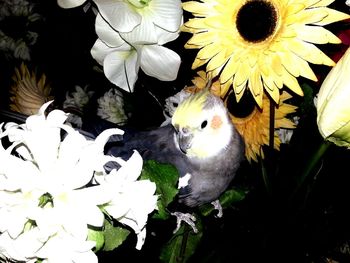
[{"x": 311, "y": 165}]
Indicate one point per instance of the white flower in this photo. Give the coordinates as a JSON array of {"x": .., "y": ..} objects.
[
  {"x": 63, "y": 248},
  {"x": 121, "y": 61},
  {"x": 133, "y": 200},
  {"x": 45, "y": 196},
  {"x": 149, "y": 16},
  {"x": 22, "y": 248},
  {"x": 70, "y": 3},
  {"x": 111, "y": 107}
]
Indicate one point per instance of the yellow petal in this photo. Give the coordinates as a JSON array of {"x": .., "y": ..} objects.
[
  {"x": 208, "y": 51},
  {"x": 229, "y": 70},
  {"x": 217, "y": 61},
  {"x": 202, "y": 39},
  {"x": 309, "y": 52},
  {"x": 333, "y": 16},
  {"x": 274, "y": 92},
  {"x": 317, "y": 35},
  {"x": 242, "y": 74},
  {"x": 225, "y": 87},
  {"x": 196, "y": 7},
  {"x": 307, "y": 16},
  {"x": 195, "y": 24},
  {"x": 255, "y": 83},
  {"x": 198, "y": 62},
  {"x": 292, "y": 83}
]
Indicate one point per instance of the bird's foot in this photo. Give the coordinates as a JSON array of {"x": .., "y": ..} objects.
[
  {"x": 187, "y": 218},
  {"x": 217, "y": 206}
]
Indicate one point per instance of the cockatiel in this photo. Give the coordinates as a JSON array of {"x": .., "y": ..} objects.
[{"x": 201, "y": 142}]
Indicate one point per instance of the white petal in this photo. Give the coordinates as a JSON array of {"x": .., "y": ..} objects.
[
  {"x": 141, "y": 239},
  {"x": 71, "y": 149},
  {"x": 160, "y": 62},
  {"x": 144, "y": 33},
  {"x": 100, "y": 50},
  {"x": 103, "y": 137},
  {"x": 166, "y": 36},
  {"x": 168, "y": 14},
  {"x": 132, "y": 168},
  {"x": 70, "y": 3},
  {"x": 107, "y": 34},
  {"x": 119, "y": 14},
  {"x": 121, "y": 68}
]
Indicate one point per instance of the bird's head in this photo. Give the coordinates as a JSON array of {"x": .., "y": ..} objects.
[{"x": 202, "y": 125}]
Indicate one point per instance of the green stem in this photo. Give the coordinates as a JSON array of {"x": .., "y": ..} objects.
[
  {"x": 265, "y": 176},
  {"x": 311, "y": 165},
  {"x": 181, "y": 257}
]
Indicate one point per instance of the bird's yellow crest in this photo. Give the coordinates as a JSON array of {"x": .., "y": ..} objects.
[{"x": 190, "y": 108}]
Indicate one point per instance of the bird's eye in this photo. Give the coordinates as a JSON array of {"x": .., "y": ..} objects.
[{"x": 204, "y": 124}]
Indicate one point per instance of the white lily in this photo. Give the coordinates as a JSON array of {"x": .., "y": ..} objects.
[{"x": 121, "y": 61}]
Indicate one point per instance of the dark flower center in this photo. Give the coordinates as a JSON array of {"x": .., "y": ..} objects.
[
  {"x": 243, "y": 108},
  {"x": 256, "y": 20}
]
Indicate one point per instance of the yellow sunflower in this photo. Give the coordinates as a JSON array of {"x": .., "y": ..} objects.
[
  {"x": 27, "y": 93},
  {"x": 252, "y": 122},
  {"x": 260, "y": 44}
]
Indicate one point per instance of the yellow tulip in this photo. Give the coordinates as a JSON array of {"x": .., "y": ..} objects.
[{"x": 333, "y": 103}]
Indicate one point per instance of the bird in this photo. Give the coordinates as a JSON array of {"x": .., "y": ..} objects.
[{"x": 200, "y": 141}]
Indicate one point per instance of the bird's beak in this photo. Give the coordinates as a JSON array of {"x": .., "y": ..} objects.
[{"x": 185, "y": 140}]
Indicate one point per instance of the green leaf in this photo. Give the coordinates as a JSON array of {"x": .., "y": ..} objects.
[
  {"x": 182, "y": 245},
  {"x": 227, "y": 199},
  {"x": 98, "y": 237},
  {"x": 165, "y": 176},
  {"x": 308, "y": 99},
  {"x": 113, "y": 236}
]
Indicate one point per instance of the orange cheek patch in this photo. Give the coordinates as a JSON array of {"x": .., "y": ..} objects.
[{"x": 216, "y": 122}]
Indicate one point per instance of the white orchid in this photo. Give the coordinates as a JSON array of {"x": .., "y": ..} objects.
[
  {"x": 146, "y": 16},
  {"x": 47, "y": 199},
  {"x": 121, "y": 61}
]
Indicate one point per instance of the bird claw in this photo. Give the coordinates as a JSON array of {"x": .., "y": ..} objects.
[
  {"x": 217, "y": 206},
  {"x": 187, "y": 218}
]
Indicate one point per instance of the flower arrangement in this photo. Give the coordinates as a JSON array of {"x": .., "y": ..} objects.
[{"x": 281, "y": 69}]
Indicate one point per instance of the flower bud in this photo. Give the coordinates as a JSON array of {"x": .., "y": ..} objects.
[{"x": 333, "y": 106}]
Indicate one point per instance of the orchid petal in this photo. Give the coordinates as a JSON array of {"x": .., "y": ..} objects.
[{"x": 160, "y": 62}]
